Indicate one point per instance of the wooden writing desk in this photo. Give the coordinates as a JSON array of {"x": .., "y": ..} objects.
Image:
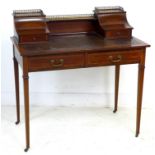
[{"x": 44, "y": 43}]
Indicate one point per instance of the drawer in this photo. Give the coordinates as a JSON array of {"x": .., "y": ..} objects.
[
  {"x": 113, "y": 58},
  {"x": 115, "y": 34},
  {"x": 54, "y": 62},
  {"x": 33, "y": 38}
]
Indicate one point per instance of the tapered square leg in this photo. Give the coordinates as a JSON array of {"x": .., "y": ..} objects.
[
  {"x": 141, "y": 68},
  {"x": 26, "y": 103},
  {"x": 16, "y": 75},
  {"x": 117, "y": 72},
  {"x": 26, "y": 106}
]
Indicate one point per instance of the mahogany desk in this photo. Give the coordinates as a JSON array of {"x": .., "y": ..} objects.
[{"x": 76, "y": 50}]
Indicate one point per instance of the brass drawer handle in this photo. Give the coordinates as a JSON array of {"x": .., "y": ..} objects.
[
  {"x": 57, "y": 63},
  {"x": 117, "y": 59}
]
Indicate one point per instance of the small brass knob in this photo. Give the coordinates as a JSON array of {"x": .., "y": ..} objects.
[{"x": 34, "y": 38}]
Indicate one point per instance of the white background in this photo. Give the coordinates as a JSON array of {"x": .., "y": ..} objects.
[{"x": 80, "y": 87}]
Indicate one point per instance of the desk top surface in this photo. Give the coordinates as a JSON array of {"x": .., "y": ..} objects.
[{"x": 77, "y": 43}]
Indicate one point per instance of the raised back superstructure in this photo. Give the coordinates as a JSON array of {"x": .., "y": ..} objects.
[{"x": 35, "y": 26}]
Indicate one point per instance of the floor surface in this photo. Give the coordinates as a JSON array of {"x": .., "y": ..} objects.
[{"x": 78, "y": 131}]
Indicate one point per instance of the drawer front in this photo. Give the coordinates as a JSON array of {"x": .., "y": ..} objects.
[
  {"x": 113, "y": 58},
  {"x": 115, "y": 34},
  {"x": 56, "y": 62},
  {"x": 33, "y": 38}
]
